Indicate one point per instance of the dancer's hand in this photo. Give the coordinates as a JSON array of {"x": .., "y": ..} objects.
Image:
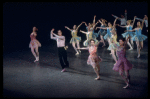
[
  {"x": 65, "y": 26},
  {"x": 94, "y": 15},
  {"x": 135, "y": 16},
  {"x": 112, "y": 14},
  {"x": 52, "y": 30},
  {"x": 125, "y": 11}
]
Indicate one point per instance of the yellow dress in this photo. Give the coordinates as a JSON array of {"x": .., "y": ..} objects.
[
  {"x": 74, "y": 37},
  {"x": 113, "y": 41}
]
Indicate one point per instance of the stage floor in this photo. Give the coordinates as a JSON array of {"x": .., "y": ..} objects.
[{"x": 24, "y": 78}]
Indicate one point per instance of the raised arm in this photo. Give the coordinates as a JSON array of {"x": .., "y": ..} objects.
[
  {"x": 68, "y": 28},
  {"x": 84, "y": 48},
  {"x": 85, "y": 24},
  {"x": 51, "y": 35},
  {"x": 126, "y": 14},
  {"x": 94, "y": 19},
  {"x": 56, "y": 36},
  {"x": 95, "y": 25},
  {"x": 83, "y": 32},
  {"x": 115, "y": 22},
  {"x": 79, "y": 26},
  {"x": 116, "y": 17},
  {"x": 133, "y": 21},
  {"x": 143, "y": 23}
]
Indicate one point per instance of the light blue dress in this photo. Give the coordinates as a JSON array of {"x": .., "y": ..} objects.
[
  {"x": 126, "y": 34},
  {"x": 108, "y": 33},
  {"x": 139, "y": 36}
]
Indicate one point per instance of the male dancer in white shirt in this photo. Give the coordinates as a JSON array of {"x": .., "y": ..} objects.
[{"x": 61, "y": 48}]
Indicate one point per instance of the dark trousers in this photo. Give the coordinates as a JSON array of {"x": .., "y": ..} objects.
[{"x": 63, "y": 57}]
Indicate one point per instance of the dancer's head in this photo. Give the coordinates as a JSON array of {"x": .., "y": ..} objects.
[
  {"x": 121, "y": 41},
  {"x": 109, "y": 24},
  {"x": 139, "y": 24},
  {"x": 92, "y": 42},
  {"x": 145, "y": 16},
  {"x": 129, "y": 22},
  {"x": 103, "y": 21},
  {"x": 122, "y": 16},
  {"x": 74, "y": 27},
  {"x": 59, "y": 33},
  {"x": 34, "y": 29}
]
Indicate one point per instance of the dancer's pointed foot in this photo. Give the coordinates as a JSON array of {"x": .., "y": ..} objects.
[
  {"x": 63, "y": 70},
  {"x": 138, "y": 56},
  {"x": 131, "y": 49},
  {"x": 103, "y": 45},
  {"x": 127, "y": 86},
  {"x": 37, "y": 59},
  {"x": 77, "y": 53},
  {"x": 98, "y": 78}
]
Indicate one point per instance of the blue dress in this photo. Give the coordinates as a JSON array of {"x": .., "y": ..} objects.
[
  {"x": 108, "y": 33},
  {"x": 126, "y": 34},
  {"x": 139, "y": 36},
  {"x": 102, "y": 31}
]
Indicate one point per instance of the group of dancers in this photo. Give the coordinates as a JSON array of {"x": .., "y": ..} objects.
[{"x": 108, "y": 33}]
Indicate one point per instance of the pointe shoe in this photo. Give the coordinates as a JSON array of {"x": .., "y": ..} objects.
[
  {"x": 63, "y": 70},
  {"x": 98, "y": 78},
  {"x": 77, "y": 53},
  {"x": 138, "y": 56},
  {"x": 37, "y": 59},
  {"x": 127, "y": 86},
  {"x": 131, "y": 49}
]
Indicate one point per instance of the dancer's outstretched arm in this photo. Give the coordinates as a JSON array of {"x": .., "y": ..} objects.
[
  {"x": 114, "y": 24},
  {"x": 102, "y": 28},
  {"x": 84, "y": 48},
  {"x": 122, "y": 26},
  {"x": 56, "y": 36},
  {"x": 68, "y": 28},
  {"x": 95, "y": 25},
  {"x": 83, "y": 32},
  {"x": 116, "y": 16},
  {"x": 79, "y": 26},
  {"x": 85, "y": 24},
  {"x": 142, "y": 23}
]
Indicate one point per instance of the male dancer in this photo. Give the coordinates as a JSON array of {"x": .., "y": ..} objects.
[{"x": 61, "y": 48}]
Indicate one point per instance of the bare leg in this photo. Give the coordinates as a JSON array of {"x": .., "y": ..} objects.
[
  {"x": 102, "y": 40},
  {"x": 37, "y": 52},
  {"x": 113, "y": 55},
  {"x": 141, "y": 44},
  {"x": 129, "y": 44},
  {"x": 132, "y": 43},
  {"x": 73, "y": 44},
  {"x": 97, "y": 73},
  {"x": 138, "y": 48},
  {"x": 32, "y": 50},
  {"x": 98, "y": 67},
  {"x": 78, "y": 46},
  {"x": 124, "y": 78},
  {"x": 127, "y": 75}
]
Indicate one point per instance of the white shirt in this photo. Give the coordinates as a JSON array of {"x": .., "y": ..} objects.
[{"x": 60, "y": 40}]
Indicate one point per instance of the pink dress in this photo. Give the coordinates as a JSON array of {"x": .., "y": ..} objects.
[
  {"x": 122, "y": 64},
  {"x": 34, "y": 42},
  {"x": 93, "y": 58}
]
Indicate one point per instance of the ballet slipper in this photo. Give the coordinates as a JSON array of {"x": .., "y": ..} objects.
[
  {"x": 98, "y": 78},
  {"x": 127, "y": 86}
]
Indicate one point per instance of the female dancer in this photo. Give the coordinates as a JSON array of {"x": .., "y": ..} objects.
[
  {"x": 113, "y": 40},
  {"x": 129, "y": 26},
  {"x": 93, "y": 58},
  {"x": 34, "y": 44},
  {"x": 146, "y": 21},
  {"x": 122, "y": 19},
  {"x": 75, "y": 39},
  {"x": 89, "y": 35},
  {"x": 102, "y": 32},
  {"x": 138, "y": 37},
  {"x": 123, "y": 65}
]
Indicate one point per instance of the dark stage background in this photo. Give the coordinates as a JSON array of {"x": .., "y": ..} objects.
[{"x": 20, "y": 17}]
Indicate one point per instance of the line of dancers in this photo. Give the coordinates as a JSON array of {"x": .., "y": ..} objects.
[{"x": 108, "y": 33}]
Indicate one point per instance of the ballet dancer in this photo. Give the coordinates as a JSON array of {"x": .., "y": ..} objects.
[
  {"x": 129, "y": 26},
  {"x": 138, "y": 37},
  {"x": 34, "y": 44},
  {"x": 113, "y": 41},
  {"x": 75, "y": 39},
  {"x": 108, "y": 34},
  {"x": 123, "y": 65},
  {"x": 89, "y": 34},
  {"x": 93, "y": 58},
  {"x": 102, "y": 32},
  {"x": 61, "y": 48},
  {"x": 122, "y": 19},
  {"x": 145, "y": 21}
]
